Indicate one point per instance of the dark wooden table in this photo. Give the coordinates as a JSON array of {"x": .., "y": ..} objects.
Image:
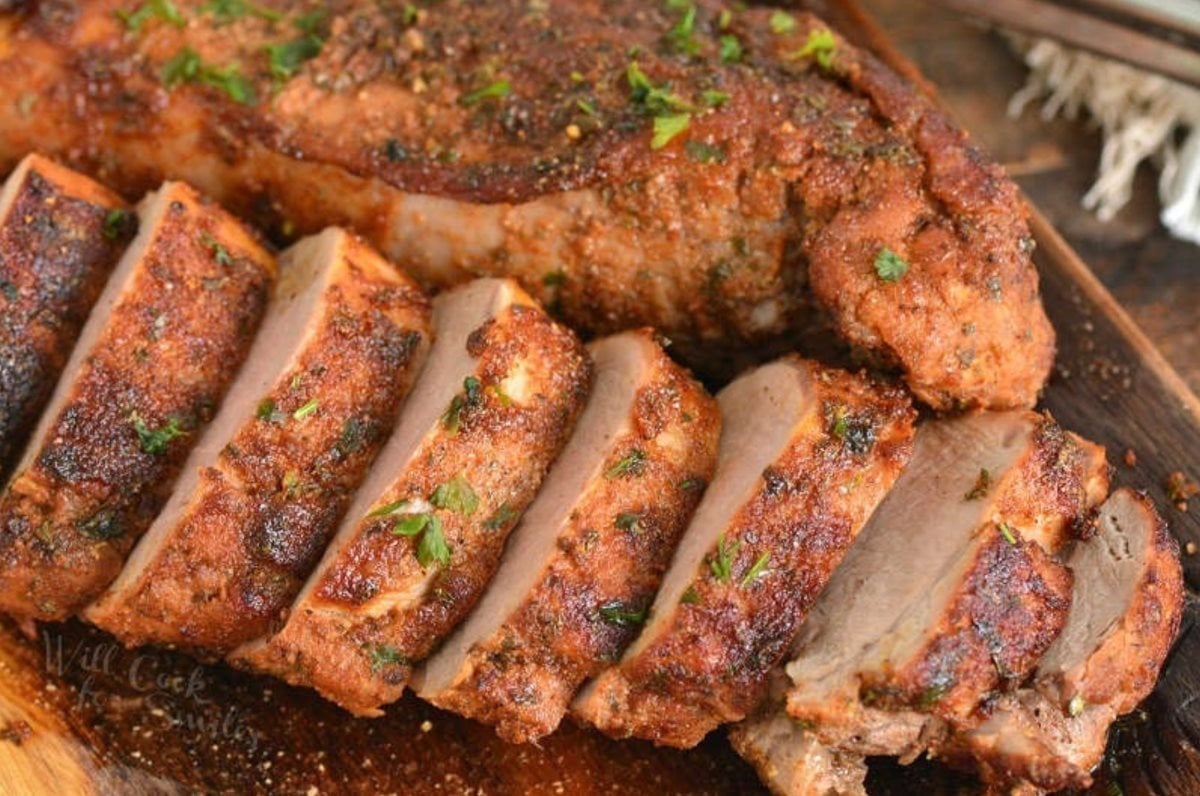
[{"x": 1155, "y": 277}]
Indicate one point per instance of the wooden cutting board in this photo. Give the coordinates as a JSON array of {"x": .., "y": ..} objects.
[{"x": 80, "y": 715}]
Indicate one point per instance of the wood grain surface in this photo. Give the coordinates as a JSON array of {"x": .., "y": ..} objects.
[{"x": 79, "y": 715}]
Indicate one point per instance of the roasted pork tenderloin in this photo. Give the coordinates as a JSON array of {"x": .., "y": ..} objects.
[
  {"x": 60, "y": 236},
  {"x": 710, "y": 170},
  {"x": 1125, "y": 613},
  {"x": 495, "y": 404},
  {"x": 267, "y": 482},
  {"x": 584, "y": 563},
  {"x": 952, "y": 593},
  {"x": 151, "y": 366},
  {"x": 806, "y": 453}
]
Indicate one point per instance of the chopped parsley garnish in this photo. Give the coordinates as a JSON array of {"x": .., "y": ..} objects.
[
  {"x": 820, "y": 46},
  {"x": 230, "y": 10},
  {"x": 656, "y": 100},
  {"x": 757, "y": 570},
  {"x": 667, "y": 127},
  {"x": 616, "y": 613},
  {"x": 856, "y": 433},
  {"x": 154, "y": 441},
  {"x": 285, "y": 59},
  {"x": 102, "y": 526},
  {"x": 495, "y": 90},
  {"x": 455, "y": 495},
  {"x": 500, "y": 517},
  {"x": 554, "y": 278},
  {"x": 690, "y": 597},
  {"x": 1007, "y": 532},
  {"x": 431, "y": 547},
  {"x": 713, "y": 99},
  {"x": 586, "y": 107},
  {"x": 187, "y": 67},
  {"x": 889, "y": 266},
  {"x": 382, "y": 655},
  {"x": 152, "y": 9},
  {"x": 681, "y": 36},
  {"x": 268, "y": 411},
  {"x": 721, "y": 563},
  {"x": 311, "y": 21},
  {"x": 982, "y": 484},
  {"x": 782, "y": 22},
  {"x": 633, "y": 464},
  {"x": 116, "y": 221},
  {"x": 730, "y": 49},
  {"x": 931, "y": 696},
  {"x": 691, "y": 484},
  {"x": 470, "y": 398},
  {"x": 410, "y": 14},
  {"x": 629, "y": 521},
  {"x": 389, "y": 508},
  {"x": 309, "y": 408},
  {"x": 219, "y": 252}
]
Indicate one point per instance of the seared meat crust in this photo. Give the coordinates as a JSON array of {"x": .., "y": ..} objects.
[
  {"x": 710, "y": 663},
  {"x": 239, "y": 548},
  {"x": 594, "y": 593},
  {"x": 117, "y": 431},
  {"x": 379, "y": 606},
  {"x": 60, "y": 235},
  {"x": 462, "y": 151}
]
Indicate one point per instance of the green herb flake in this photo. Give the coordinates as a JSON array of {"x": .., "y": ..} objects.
[
  {"x": 455, "y": 495},
  {"x": 667, "y": 127},
  {"x": 721, "y": 563},
  {"x": 102, "y": 526},
  {"x": 730, "y": 49},
  {"x": 154, "y": 441},
  {"x": 116, "y": 221},
  {"x": 931, "y": 696},
  {"x": 231, "y": 10},
  {"x": 267, "y": 410},
  {"x": 889, "y": 266},
  {"x": 585, "y": 106},
  {"x": 690, "y": 597},
  {"x": 982, "y": 484},
  {"x": 286, "y": 58},
  {"x": 411, "y": 14},
  {"x": 219, "y": 252},
  {"x": 382, "y": 655},
  {"x": 782, "y": 22},
  {"x": 656, "y": 100},
  {"x": 389, "y": 508},
  {"x": 470, "y": 398},
  {"x": 616, "y": 613},
  {"x": 500, "y": 517},
  {"x": 681, "y": 36},
  {"x": 311, "y": 21},
  {"x": 432, "y": 549},
  {"x": 495, "y": 90},
  {"x": 9, "y": 290},
  {"x": 634, "y": 463},
  {"x": 757, "y": 570},
  {"x": 691, "y": 484},
  {"x": 704, "y": 153},
  {"x": 821, "y": 46},
  {"x": 187, "y": 67},
  {"x": 629, "y": 521},
  {"x": 411, "y": 524},
  {"x": 308, "y": 409},
  {"x": 163, "y": 10},
  {"x": 713, "y": 99},
  {"x": 554, "y": 279},
  {"x": 1007, "y": 532}
]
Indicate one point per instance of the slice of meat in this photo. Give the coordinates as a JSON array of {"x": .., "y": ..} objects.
[
  {"x": 950, "y": 592},
  {"x": 268, "y": 481},
  {"x": 483, "y": 137},
  {"x": 423, "y": 536},
  {"x": 586, "y": 559},
  {"x": 60, "y": 235},
  {"x": 1125, "y": 613},
  {"x": 152, "y": 363},
  {"x": 806, "y": 453}
]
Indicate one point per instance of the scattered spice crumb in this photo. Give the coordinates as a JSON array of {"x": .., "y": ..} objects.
[
  {"x": 1130, "y": 458},
  {"x": 426, "y": 725},
  {"x": 1190, "y": 548},
  {"x": 1180, "y": 488},
  {"x": 16, "y": 732}
]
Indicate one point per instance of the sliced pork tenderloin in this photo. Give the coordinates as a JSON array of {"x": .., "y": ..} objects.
[
  {"x": 60, "y": 236},
  {"x": 151, "y": 366},
  {"x": 495, "y": 404},
  {"x": 267, "y": 482},
  {"x": 585, "y": 561},
  {"x": 951, "y": 592},
  {"x": 1125, "y": 613},
  {"x": 806, "y": 453}
]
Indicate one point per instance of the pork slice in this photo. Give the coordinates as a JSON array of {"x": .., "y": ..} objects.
[
  {"x": 1125, "y": 613},
  {"x": 582, "y": 566},
  {"x": 950, "y": 592},
  {"x": 60, "y": 236},
  {"x": 267, "y": 482},
  {"x": 152, "y": 363},
  {"x": 806, "y": 453},
  {"x": 424, "y": 534}
]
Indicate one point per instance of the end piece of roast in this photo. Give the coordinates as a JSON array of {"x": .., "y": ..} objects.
[
  {"x": 951, "y": 591},
  {"x": 60, "y": 235},
  {"x": 583, "y": 564},
  {"x": 1125, "y": 613},
  {"x": 494, "y": 405},
  {"x": 806, "y": 453},
  {"x": 151, "y": 366},
  {"x": 264, "y": 488}
]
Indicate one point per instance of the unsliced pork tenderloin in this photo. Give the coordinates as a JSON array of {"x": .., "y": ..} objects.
[
  {"x": 582, "y": 567},
  {"x": 266, "y": 484},
  {"x": 494, "y": 405},
  {"x": 151, "y": 366}
]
